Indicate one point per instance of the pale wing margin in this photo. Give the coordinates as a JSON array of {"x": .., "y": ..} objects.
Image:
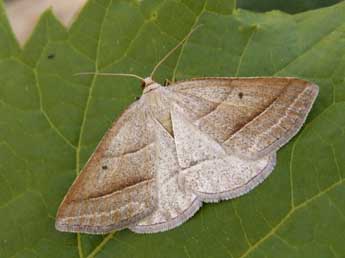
[
  {"x": 253, "y": 116},
  {"x": 116, "y": 187}
]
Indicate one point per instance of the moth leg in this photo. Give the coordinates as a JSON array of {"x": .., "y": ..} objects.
[{"x": 167, "y": 82}]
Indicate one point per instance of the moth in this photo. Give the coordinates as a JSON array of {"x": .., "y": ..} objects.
[{"x": 194, "y": 141}]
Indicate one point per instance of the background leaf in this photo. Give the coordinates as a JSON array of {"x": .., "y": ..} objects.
[
  {"x": 291, "y": 6},
  {"x": 51, "y": 122}
]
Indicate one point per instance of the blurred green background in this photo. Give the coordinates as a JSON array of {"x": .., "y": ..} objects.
[{"x": 290, "y": 6}]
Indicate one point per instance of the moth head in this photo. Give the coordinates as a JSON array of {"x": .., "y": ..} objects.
[{"x": 146, "y": 82}]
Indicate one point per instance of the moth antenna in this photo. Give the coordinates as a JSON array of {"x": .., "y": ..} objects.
[
  {"x": 173, "y": 50},
  {"x": 112, "y": 74}
]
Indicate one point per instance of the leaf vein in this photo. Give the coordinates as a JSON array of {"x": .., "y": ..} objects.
[
  {"x": 310, "y": 48},
  {"x": 197, "y": 18},
  {"x": 288, "y": 215},
  {"x": 253, "y": 32},
  {"x": 82, "y": 126}
]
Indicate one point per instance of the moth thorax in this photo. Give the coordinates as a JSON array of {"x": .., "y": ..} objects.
[{"x": 149, "y": 85}]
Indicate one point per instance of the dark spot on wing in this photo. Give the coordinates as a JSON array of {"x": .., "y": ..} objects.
[
  {"x": 193, "y": 163},
  {"x": 240, "y": 95},
  {"x": 104, "y": 167}
]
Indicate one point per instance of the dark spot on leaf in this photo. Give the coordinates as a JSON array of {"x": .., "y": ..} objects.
[
  {"x": 240, "y": 95},
  {"x": 51, "y": 56},
  {"x": 153, "y": 16},
  {"x": 104, "y": 167}
]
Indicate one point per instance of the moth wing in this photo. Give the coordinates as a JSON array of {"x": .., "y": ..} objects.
[
  {"x": 175, "y": 205},
  {"x": 208, "y": 171},
  {"x": 116, "y": 188},
  {"x": 192, "y": 145},
  {"x": 226, "y": 178},
  {"x": 251, "y": 117}
]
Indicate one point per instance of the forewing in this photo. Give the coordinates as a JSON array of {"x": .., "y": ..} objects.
[
  {"x": 175, "y": 205},
  {"x": 251, "y": 117},
  {"x": 116, "y": 187}
]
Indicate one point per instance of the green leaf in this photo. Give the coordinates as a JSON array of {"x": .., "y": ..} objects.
[
  {"x": 51, "y": 121},
  {"x": 290, "y": 6}
]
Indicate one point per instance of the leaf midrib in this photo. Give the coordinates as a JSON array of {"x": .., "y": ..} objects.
[{"x": 82, "y": 126}]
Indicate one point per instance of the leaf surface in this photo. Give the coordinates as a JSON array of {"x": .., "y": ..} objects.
[
  {"x": 51, "y": 121},
  {"x": 291, "y": 6}
]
